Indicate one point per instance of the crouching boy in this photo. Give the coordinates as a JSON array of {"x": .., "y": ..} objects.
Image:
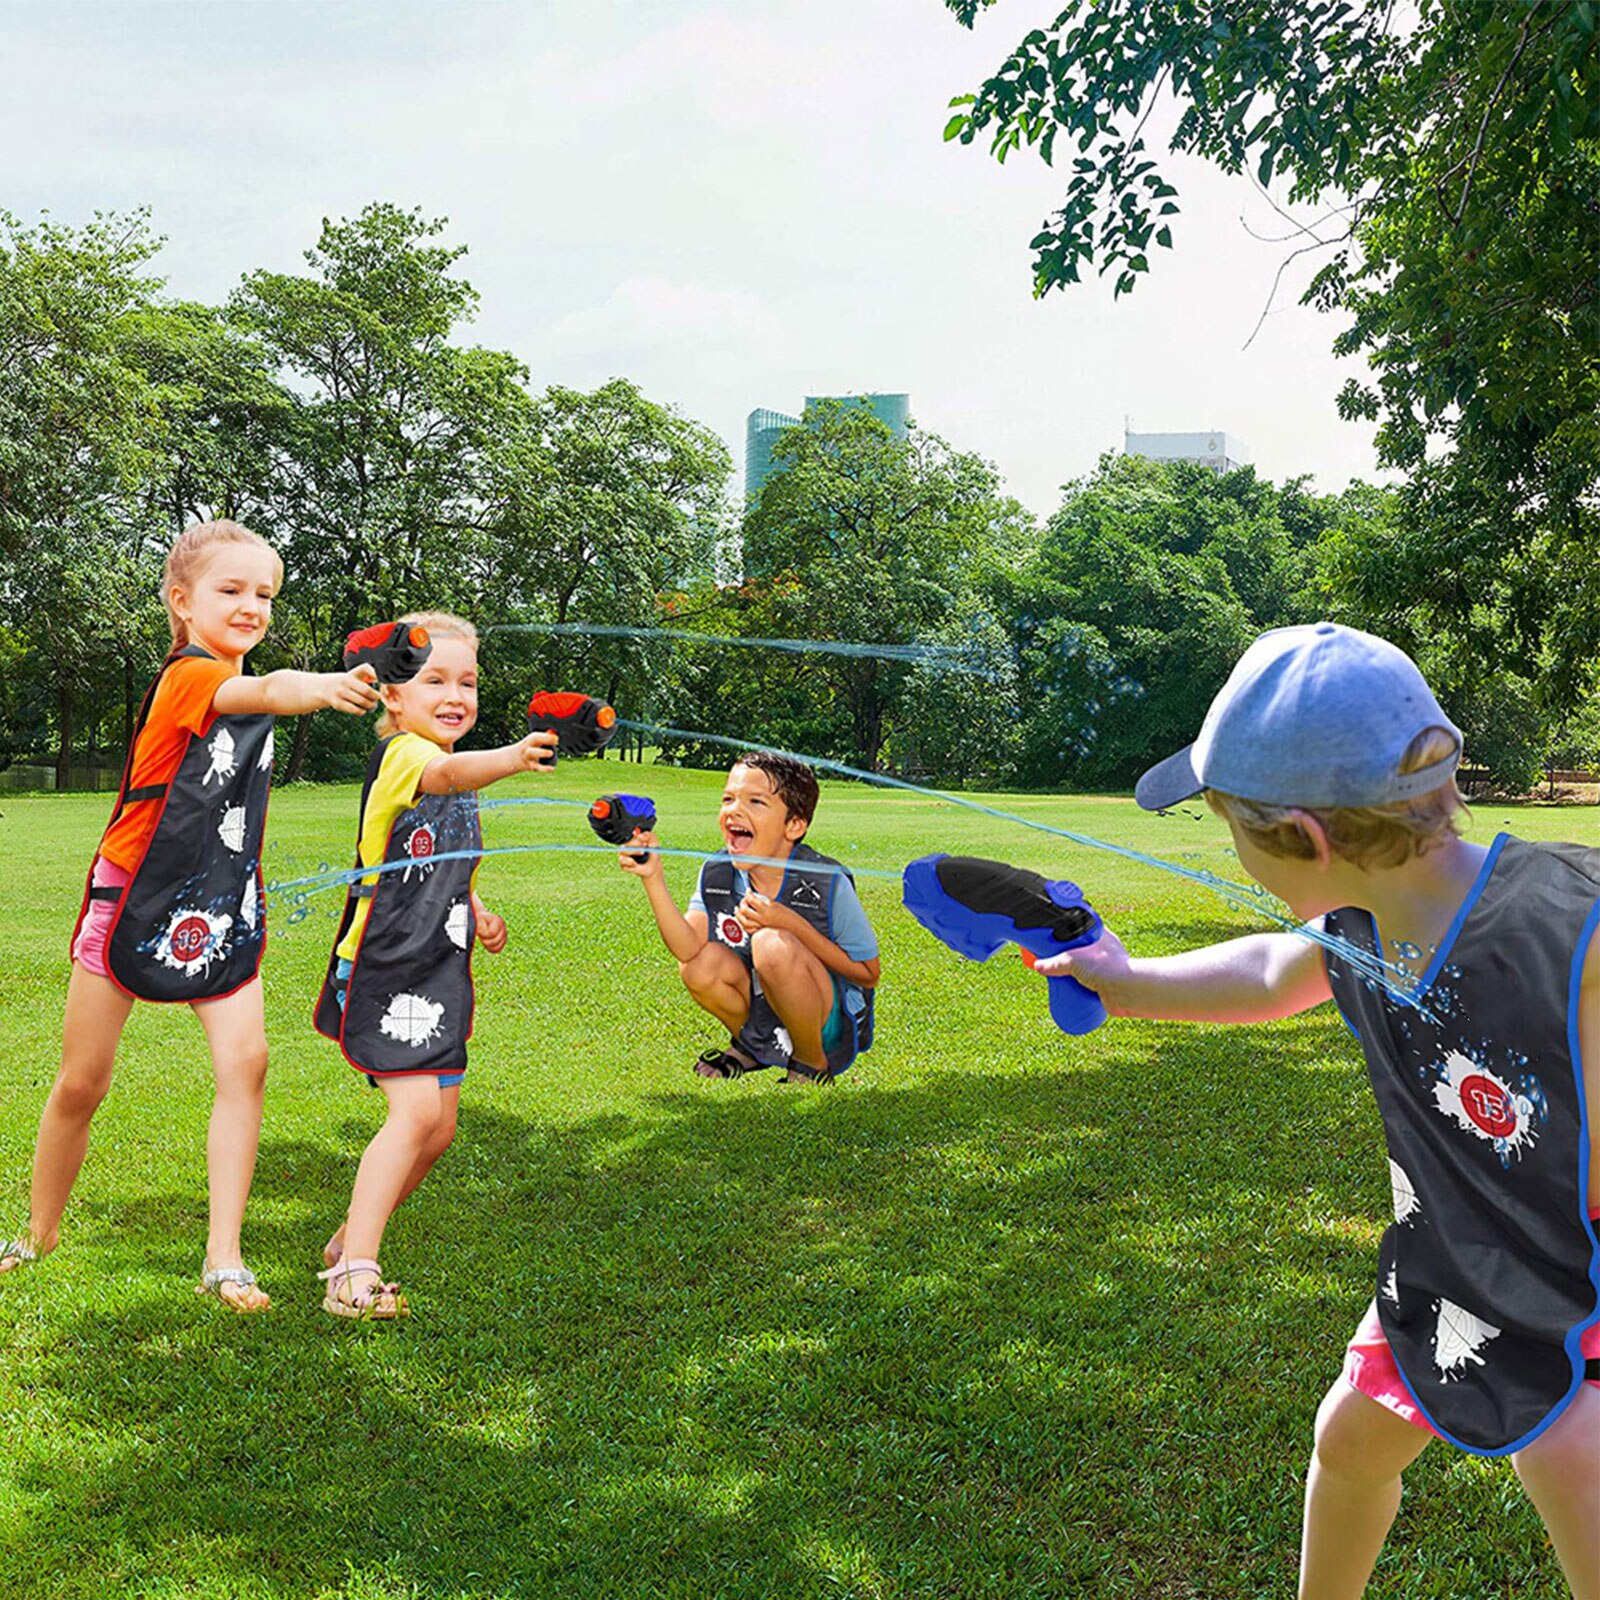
[{"x": 775, "y": 943}]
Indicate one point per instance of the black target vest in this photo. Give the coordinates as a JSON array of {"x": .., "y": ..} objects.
[
  {"x": 1489, "y": 1273},
  {"x": 192, "y": 924},
  {"x": 408, "y": 1002},
  {"x": 809, "y": 884}
]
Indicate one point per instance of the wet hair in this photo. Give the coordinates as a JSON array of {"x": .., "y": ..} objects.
[
  {"x": 440, "y": 625},
  {"x": 1365, "y": 836},
  {"x": 190, "y": 555},
  {"x": 792, "y": 781}
]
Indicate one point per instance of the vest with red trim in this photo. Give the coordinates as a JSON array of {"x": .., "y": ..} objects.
[
  {"x": 1490, "y": 1272},
  {"x": 809, "y": 883},
  {"x": 408, "y": 1001},
  {"x": 191, "y": 924}
]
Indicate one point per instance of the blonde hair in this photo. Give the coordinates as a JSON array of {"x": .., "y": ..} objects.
[
  {"x": 440, "y": 625},
  {"x": 192, "y": 553},
  {"x": 1365, "y": 836}
]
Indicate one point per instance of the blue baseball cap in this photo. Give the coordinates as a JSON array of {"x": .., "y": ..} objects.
[{"x": 1319, "y": 715}]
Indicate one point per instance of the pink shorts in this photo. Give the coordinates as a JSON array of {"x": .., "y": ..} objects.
[
  {"x": 89, "y": 948},
  {"x": 1369, "y": 1366}
]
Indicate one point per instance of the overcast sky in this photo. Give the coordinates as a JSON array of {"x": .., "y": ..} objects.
[{"x": 733, "y": 203}]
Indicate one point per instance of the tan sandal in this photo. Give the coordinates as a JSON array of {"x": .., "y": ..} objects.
[{"x": 376, "y": 1301}]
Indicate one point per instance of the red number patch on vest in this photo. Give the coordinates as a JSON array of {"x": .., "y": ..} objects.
[
  {"x": 420, "y": 844},
  {"x": 732, "y": 931},
  {"x": 190, "y": 938},
  {"x": 1489, "y": 1106}
]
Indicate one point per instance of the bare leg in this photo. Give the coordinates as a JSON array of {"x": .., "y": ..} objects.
[
  {"x": 798, "y": 987},
  {"x": 438, "y": 1143},
  {"x": 96, "y": 1012},
  {"x": 718, "y": 982},
  {"x": 416, "y": 1108},
  {"x": 1352, "y": 1491},
  {"x": 235, "y": 1029},
  {"x": 1561, "y": 1472}
]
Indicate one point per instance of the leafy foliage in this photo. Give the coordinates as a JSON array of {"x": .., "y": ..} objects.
[{"x": 1457, "y": 154}]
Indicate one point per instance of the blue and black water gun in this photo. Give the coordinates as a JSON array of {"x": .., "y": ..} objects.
[
  {"x": 396, "y": 651},
  {"x": 617, "y": 817},
  {"x": 975, "y": 906}
]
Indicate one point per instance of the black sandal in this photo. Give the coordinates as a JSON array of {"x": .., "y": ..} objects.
[
  {"x": 724, "y": 1064},
  {"x": 799, "y": 1072}
]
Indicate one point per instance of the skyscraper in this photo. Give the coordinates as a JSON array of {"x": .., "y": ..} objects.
[{"x": 762, "y": 428}]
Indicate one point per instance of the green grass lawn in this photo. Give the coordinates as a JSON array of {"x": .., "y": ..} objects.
[{"x": 1002, "y": 1313}]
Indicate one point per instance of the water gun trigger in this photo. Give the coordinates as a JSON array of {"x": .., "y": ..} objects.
[
  {"x": 617, "y": 817},
  {"x": 976, "y": 906},
  {"x": 396, "y": 651},
  {"x": 582, "y": 723}
]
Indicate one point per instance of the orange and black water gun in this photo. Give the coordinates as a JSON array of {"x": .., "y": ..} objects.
[
  {"x": 396, "y": 651},
  {"x": 617, "y": 817},
  {"x": 582, "y": 723}
]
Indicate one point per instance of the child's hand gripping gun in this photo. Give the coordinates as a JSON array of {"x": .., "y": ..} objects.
[
  {"x": 975, "y": 906},
  {"x": 396, "y": 651},
  {"x": 617, "y": 817},
  {"x": 582, "y": 723}
]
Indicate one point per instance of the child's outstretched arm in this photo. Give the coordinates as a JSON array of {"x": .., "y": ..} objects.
[
  {"x": 293, "y": 694},
  {"x": 1255, "y": 979},
  {"x": 684, "y": 936},
  {"x": 477, "y": 769}
]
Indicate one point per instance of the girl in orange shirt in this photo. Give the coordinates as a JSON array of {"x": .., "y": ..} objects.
[{"x": 174, "y": 909}]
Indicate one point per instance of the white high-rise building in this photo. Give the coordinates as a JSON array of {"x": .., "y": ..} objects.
[{"x": 1218, "y": 450}]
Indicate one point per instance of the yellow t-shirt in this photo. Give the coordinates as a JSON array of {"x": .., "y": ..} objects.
[{"x": 393, "y": 791}]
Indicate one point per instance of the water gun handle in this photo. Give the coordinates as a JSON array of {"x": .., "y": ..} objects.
[{"x": 1073, "y": 1008}]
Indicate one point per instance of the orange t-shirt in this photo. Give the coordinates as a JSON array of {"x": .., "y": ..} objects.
[{"x": 182, "y": 706}]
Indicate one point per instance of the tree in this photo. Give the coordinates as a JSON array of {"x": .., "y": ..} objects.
[
  {"x": 860, "y": 535},
  {"x": 610, "y": 503},
  {"x": 380, "y": 453},
  {"x": 79, "y": 433},
  {"x": 1457, "y": 153},
  {"x": 1150, "y": 582}
]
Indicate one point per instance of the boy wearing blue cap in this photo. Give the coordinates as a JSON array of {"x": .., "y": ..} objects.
[{"x": 1334, "y": 767}]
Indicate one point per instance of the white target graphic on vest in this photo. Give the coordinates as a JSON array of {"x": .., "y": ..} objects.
[
  {"x": 732, "y": 931},
  {"x": 1457, "y": 1338},
  {"x": 413, "y": 1019},
  {"x": 193, "y": 939},
  {"x": 222, "y": 762},
  {"x": 249, "y": 905},
  {"x": 1481, "y": 1103},
  {"x": 1406, "y": 1204},
  {"x": 231, "y": 829},
  {"x": 455, "y": 925},
  {"x": 420, "y": 847},
  {"x": 264, "y": 762}
]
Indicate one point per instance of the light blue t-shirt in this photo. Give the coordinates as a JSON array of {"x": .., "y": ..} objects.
[{"x": 851, "y": 931}]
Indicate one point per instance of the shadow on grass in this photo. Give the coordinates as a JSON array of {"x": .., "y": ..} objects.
[{"x": 1048, "y": 1333}]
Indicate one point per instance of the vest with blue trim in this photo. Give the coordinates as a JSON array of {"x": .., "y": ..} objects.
[
  {"x": 1489, "y": 1273},
  {"x": 191, "y": 924},
  {"x": 809, "y": 883},
  {"x": 408, "y": 999}
]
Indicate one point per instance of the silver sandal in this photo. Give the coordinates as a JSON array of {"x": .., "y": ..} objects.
[
  {"x": 20, "y": 1250},
  {"x": 213, "y": 1278}
]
